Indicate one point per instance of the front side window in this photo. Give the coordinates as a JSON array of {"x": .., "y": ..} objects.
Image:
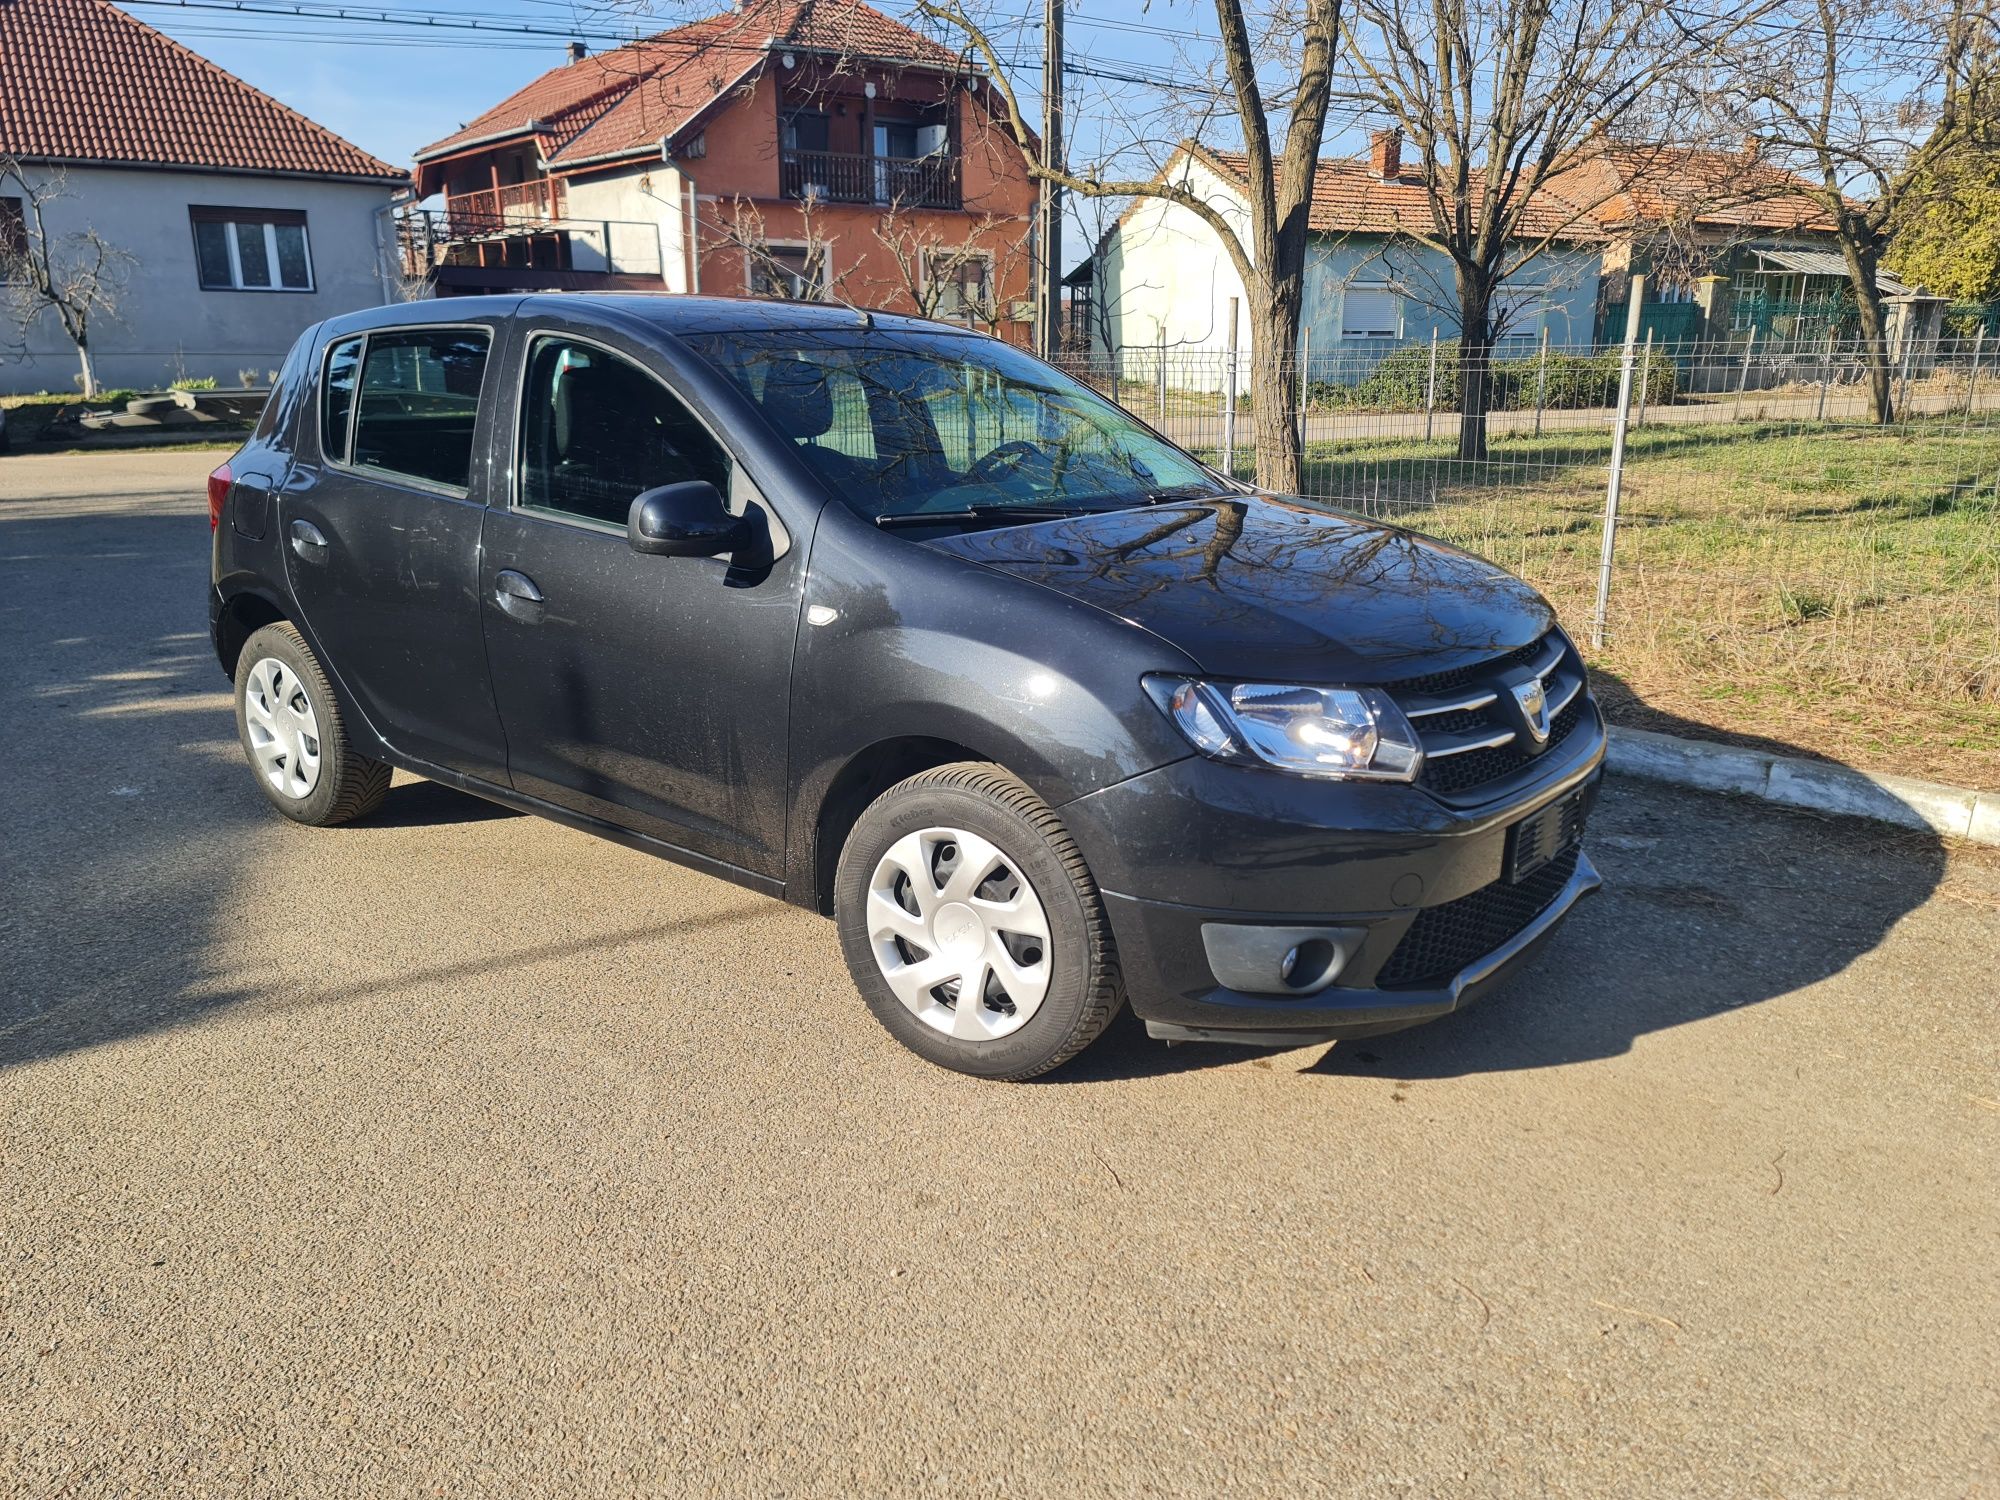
[
  {"x": 251, "y": 249},
  {"x": 419, "y": 402},
  {"x": 907, "y": 425},
  {"x": 597, "y": 432}
]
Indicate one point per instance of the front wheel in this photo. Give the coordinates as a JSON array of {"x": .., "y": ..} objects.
[
  {"x": 972, "y": 926},
  {"x": 293, "y": 735}
]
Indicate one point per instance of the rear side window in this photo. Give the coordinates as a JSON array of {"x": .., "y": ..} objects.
[
  {"x": 284, "y": 397},
  {"x": 417, "y": 403},
  {"x": 337, "y": 400},
  {"x": 597, "y": 432}
]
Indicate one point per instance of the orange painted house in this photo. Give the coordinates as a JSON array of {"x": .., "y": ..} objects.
[{"x": 786, "y": 148}]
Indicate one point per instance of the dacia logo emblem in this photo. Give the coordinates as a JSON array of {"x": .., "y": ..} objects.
[{"x": 1533, "y": 701}]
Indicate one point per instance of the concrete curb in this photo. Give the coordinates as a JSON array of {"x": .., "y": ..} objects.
[{"x": 1815, "y": 785}]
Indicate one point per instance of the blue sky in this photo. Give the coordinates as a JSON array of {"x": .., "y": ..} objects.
[{"x": 393, "y": 89}]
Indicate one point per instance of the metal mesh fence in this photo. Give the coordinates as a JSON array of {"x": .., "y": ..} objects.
[{"x": 1782, "y": 563}]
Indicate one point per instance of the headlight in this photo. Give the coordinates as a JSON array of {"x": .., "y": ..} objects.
[{"x": 1349, "y": 733}]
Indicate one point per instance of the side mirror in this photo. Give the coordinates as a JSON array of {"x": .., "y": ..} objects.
[{"x": 684, "y": 520}]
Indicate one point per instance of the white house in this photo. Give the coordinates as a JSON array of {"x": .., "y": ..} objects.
[
  {"x": 237, "y": 222},
  {"x": 1162, "y": 275}
]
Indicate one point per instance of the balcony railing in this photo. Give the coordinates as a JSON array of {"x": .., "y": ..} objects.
[
  {"x": 496, "y": 210},
  {"x": 591, "y": 247},
  {"x": 850, "y": 177}
]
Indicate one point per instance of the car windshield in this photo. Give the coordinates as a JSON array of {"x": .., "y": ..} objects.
[{"x": 914, "y": 427}]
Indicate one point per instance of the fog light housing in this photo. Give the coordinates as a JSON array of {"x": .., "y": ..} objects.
[{"x": 1278, "y": 960}]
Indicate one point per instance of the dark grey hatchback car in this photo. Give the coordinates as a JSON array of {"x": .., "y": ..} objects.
[{"x": 897, "y": 623}]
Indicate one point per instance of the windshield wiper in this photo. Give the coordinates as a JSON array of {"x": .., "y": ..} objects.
[
  {"x": 975, "y": 513},
  {"x": 1199, "y": 490}
]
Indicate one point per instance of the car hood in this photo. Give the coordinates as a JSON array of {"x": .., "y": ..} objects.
[{"x": 1260, "y": 587}]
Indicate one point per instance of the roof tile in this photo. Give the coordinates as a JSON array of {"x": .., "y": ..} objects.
[
  {"x": 84, "y": 81},
  {"x": 631, "y": 97}
]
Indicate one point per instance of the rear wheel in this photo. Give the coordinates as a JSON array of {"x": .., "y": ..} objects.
[
  {"x": 972, "y": 926},
  {"x": 293, "y": 735}
]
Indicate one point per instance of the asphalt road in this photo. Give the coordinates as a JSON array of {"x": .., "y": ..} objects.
[{"x": 460, "y": 1154}]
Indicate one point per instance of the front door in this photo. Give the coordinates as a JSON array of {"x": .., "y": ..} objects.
[
  {"x": 380, "y": 525},
  {"x": 652, "y": 692}
]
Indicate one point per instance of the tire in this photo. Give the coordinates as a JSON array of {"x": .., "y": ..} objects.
[
  {"x": 984, "y": 841},
  {"x": 292, "y": 734}
]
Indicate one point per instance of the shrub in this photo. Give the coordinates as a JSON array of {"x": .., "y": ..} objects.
[
  {"x": 193, "y": 383},
  {"x": 1402, "y": 379}
]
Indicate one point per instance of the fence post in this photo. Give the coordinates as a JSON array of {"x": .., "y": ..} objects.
[
  {"x": 1903, "y": 369},
  {"x": 1825, "y": 375},
  {"x": 1542, "y": 380},
  {"x": 1229, "y": 400},
  {"x": 1972, "y": 380},
  {"x": 1305, "y": 374},
  {"x": 1645, "y": 377},
  {"x": 1743, "y": 375},
  {"x": 1616, "y": 481},
  {"x": 1431, "y": 389},
  {"x": 1160, "y": 376}
]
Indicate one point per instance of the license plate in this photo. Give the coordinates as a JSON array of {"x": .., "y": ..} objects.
[{"x": 1539, "y": 838}]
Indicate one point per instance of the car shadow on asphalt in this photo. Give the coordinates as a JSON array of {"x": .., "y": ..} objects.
[{"x": 416, "y": 803}]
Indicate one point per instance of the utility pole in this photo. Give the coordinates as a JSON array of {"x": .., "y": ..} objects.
[{"x": 1048, "y": 295}]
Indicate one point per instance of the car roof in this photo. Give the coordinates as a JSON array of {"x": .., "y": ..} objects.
[{"x": 670, "y": 312}]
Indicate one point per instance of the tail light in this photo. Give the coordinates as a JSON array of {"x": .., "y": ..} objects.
[{"x": 218, "y": 494}]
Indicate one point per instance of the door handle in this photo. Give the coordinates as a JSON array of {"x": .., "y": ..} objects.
[
  {"x": 517, "y": 595},
  {"x": 309, "y": 542}
]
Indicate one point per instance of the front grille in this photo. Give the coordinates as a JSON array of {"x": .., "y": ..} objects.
[
  {"x": 1461, "y": 773},
  {"x": 1444, "y": 939},
  {"x": 1457, "y": 764}
]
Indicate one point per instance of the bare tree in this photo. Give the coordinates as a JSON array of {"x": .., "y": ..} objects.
[
  {"x": 1500, "y": 104},
  {"x": 77, "y": 277},
  {"x": 957, "y": 276},
  {"x": 799, "y": 267},
  {"x": 1277, "y": 72},
  {"x": 1866, "y": 98}
]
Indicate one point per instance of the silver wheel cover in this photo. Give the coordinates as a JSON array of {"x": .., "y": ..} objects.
[
  {"x": 959, "y": 934},
  {"x": 284, "y": 728}
]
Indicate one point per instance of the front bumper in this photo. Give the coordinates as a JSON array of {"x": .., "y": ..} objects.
[{"x": 1198, "y": 843}]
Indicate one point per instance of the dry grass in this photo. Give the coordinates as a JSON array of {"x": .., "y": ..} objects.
[{"x": 1834, "y": 590}]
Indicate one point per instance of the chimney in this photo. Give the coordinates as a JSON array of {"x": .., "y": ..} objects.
[
  {"x": 578, "y": 52},
  {"x": 1753, "y": 148},
  {"x": 1385, "y": 154}
]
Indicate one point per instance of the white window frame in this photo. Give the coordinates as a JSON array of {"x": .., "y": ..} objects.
[
  {"x": 805, "y": 248},
  {"x": 1386, "y": 289},
  {"x": 929, "y": 271},
  {"x": 270, "y": 227},
  {"x": 1530, "y": 307}
]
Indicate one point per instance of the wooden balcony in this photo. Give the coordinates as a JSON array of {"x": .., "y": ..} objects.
[
  {"x": 498, "y": 210},
  {"x": 850, "y": 177}
]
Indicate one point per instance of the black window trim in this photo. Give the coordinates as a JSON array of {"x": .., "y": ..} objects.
[
  {"x": 345, "y": 463},
  {"x": 516, "y": 462},
  {"x": 230, "y": 215}
]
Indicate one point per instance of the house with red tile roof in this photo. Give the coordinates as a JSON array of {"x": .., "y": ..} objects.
[
  {"x": 1732, "y": 245},
  {"x": 1162, "y": 275},
  {"x": 239, "y": 221},
  {"x": 783, "y": 147}
]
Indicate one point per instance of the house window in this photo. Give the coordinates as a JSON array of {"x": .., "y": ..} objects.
[
  {"x": 1518, "y": 311},
  {"x": 251, "y": 249},
  {"x": 13, "y": 236},
  {"x": 964, "y": 285},
  {"x": 794, "y": 272},
  {"x": 1370, "y": 312}
]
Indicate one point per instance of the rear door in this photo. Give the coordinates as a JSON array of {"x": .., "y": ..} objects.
[
  {"x": 652, "y": 692},
  {"x": 380, "y": 522}
]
